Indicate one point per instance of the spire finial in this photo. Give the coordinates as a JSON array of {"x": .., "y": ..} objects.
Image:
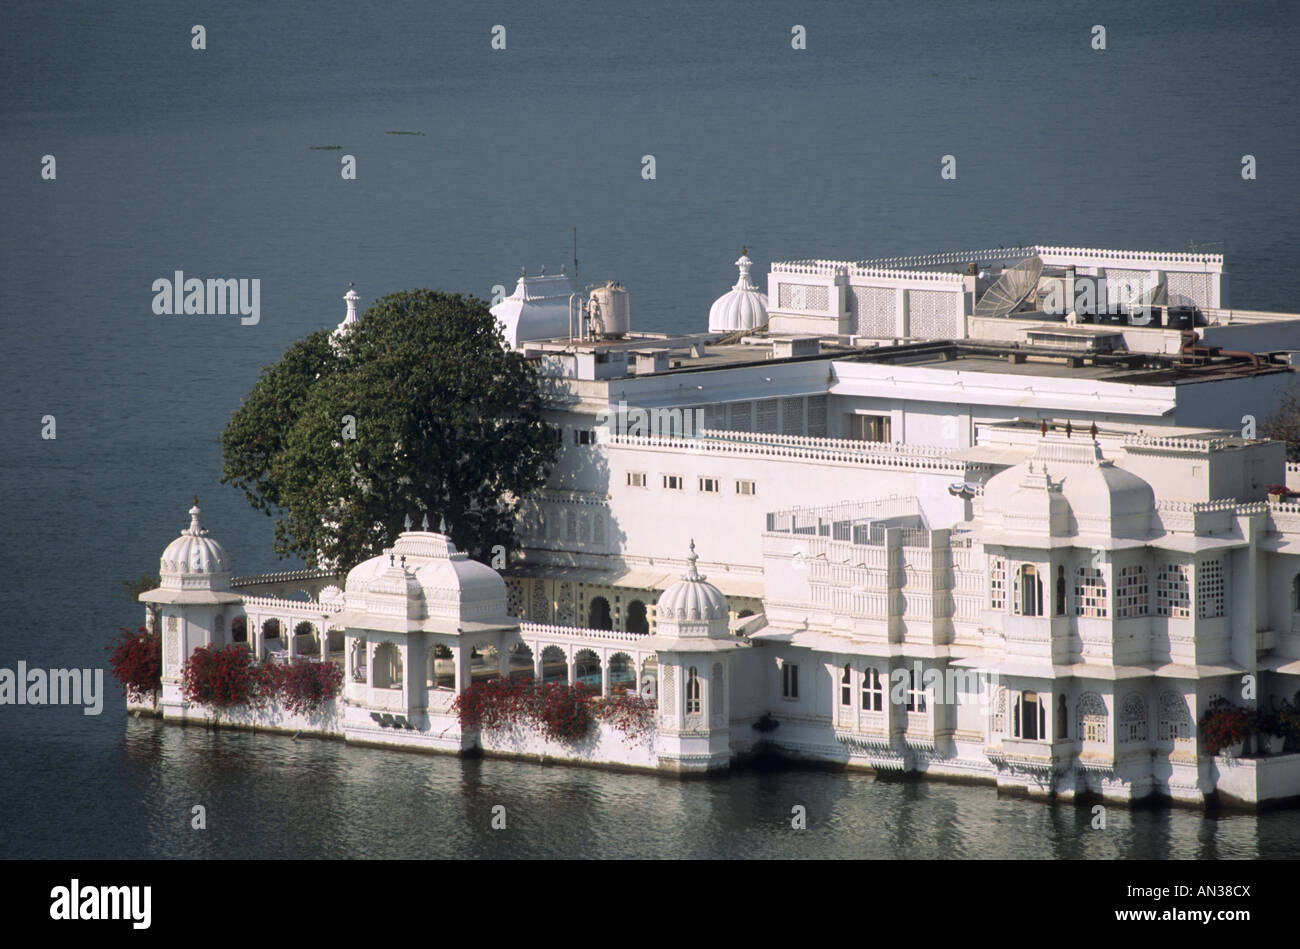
[
  {"x": 442, "y": 524},
  {"x": 406, "y": 522},
  {"x": 1042, "y": 429},
  {"x": 744, "y": 251},
  {"x": 743, "y": 265},
  {"x": 195, "y": 527},
  {"x": 691, "y": 572},
  {"x": 424, "y": 522}
]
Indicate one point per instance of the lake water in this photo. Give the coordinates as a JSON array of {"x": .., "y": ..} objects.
[{"x": 172, "y": 159}]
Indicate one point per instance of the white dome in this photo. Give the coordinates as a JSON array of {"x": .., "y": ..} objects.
[
  {"x": 195, "y": 560},
  {"x": 741, "y": 308},
  {"x": 1083, "y": 494},
  {"x": 424, "y": 576},
  {"x": 538, "y": 309},
  {"x": 691, "y": 601}
]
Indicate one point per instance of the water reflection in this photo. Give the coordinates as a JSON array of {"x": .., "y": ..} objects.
[{"x": 272, "y": 796}]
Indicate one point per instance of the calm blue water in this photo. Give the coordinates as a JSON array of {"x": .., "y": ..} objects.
[{"x": 170, "y": 158}]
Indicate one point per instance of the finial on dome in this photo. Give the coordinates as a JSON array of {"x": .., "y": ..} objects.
[
  {"x": 744, "y": 251},
  {"x": 691, "y": 573},
  {"x": 424, "y": 522},
  {"x": 1068, "y": 428},
  {"x": 406, "y": 522},
  {"x": 442, "y": 524},
  {"x": 1092, "y": 430},
  {"x": 195, "y": 527},
  {"x": 1042, "y": 429}
]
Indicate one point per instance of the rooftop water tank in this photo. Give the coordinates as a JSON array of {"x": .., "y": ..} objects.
[{"x": 608, "y": 309}]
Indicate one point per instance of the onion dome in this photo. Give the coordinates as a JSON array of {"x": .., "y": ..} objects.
[
  {"x": 741, "y": 308},
  {"x": 692, "y": 606},
  {"x": 195, "y": 560}
]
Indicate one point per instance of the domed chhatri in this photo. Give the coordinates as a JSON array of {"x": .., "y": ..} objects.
[
  {"x": 195, "y": 560},
  {"x": 423, "y": 576},
  {"x": 741, "y": 308},
  {"x": 692, "y": 606}
]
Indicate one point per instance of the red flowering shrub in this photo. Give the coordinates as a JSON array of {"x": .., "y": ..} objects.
[
  {"x": 1222, "y": 724},
  {"x": 630, "y": 713},
  {"x": 136, "y": 661},
  {"x": 561, "y": 712},
  {"x": 305, "y": 685},
  {"x": 222, "y": 677}
]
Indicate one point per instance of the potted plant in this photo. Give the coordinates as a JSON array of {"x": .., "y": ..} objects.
[
  {"x": 1278, "y": 493},
  {"x": 1223, "y": 728},
  {"x": 1271, "y": 731}
]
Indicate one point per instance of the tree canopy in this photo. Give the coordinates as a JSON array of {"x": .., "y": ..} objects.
[
  {"x": 418, "y": 410},
  {"x": 1284, "y": 423}
]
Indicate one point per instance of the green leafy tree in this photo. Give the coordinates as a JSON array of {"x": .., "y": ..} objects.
[
  {"x": 1284, "y": 423},
  {"x": 445, "y": 422}
]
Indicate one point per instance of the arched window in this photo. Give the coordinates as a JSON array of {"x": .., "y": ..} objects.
[
  {"x": 1092, "y": 717},
  {"x": 1062, "y": 718},
  {"x": 650, "y": 678},
  {"x": 442, "y": 668},
  {"x": 271, "y": 629},
  {"x": 1028, "y": 595},
  {"x": 555, "y": 665},
  {"x": 358, "y": 660},
  {"x": 521, "y": 661},
  {"x": 873, "y": 691},
  {"x": 846, "y": 685},
  {"x": 915, "y": 692},
  {"x": 1133, "y": 718},
  {"x": 636, "y": 618},
  {"x": 239, "y": 630},
  {"x": 622, "y": 673},
  {"x": 1175, "y": 718},
  {"x": 598, "y": 614},
  {"x": 1028, "y": 717},
  {"x": 1060, "y": 590},
  {"x": 694, "y": 703},
  {"x": 586, "y": 670},
  {"x": 388, "y": 667}
]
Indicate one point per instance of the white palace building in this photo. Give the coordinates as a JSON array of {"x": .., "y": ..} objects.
[{"x": 943, "y": 526}]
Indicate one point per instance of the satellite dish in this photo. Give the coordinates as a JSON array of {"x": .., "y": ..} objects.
[{"x": 1011, "y": 289}]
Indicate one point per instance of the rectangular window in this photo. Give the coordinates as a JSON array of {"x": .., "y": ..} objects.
[
  {"x": 1131, "y": 594},
  {"x": 789, "y": 681},
  {"x": 748, "y": 488},
  {"x": 846, "y": 685},
  {"x": 1090, "y": 592},
  {"x": 868, "y": 428},
  {"x": 998, "y": 584},
  {"x": 636, "y": 479},
  {"x": 1173, "y": 595},
  {"x": 709, "y": 485},
  {"x": 1209, "y": 589},
  {"x": 673, "y": 482},
  {"x": 583, "y": 436}
]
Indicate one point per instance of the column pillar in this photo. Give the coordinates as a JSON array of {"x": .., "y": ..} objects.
[
  {"x": 604, "y": 675},
  {"x": 324, "y": 640},
  {"x": 292, "y": 643},
  {"x": 572, "y": 666},
  {"x": 256, "y": 623}
]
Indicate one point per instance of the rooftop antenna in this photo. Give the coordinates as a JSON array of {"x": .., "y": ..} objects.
[
  {"x": 575, "y": 258},
  {"x": 1011, "y": 288}
]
